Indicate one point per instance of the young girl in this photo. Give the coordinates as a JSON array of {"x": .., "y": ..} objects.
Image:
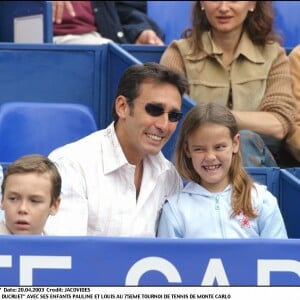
[{"x": 220, "y": 201}]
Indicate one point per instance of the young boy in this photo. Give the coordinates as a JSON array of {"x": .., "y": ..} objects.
[{"x": 30, "y": 193}]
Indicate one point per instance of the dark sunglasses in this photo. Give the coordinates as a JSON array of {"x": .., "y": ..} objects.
[{"x": 155, "y": 110}]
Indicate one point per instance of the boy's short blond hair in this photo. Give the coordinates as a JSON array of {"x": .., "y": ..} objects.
[{"x": 35, "y": 163}]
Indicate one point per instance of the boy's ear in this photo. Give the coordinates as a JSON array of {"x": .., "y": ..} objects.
[{"x": 55, "y": 207}]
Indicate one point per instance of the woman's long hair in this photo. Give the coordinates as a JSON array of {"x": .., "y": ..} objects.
[{"x": 259, "y": 25}]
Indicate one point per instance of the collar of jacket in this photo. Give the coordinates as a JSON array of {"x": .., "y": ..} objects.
[{"x": 245, "y": 47}]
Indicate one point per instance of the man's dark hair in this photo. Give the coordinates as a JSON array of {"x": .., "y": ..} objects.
[{"x": 135, "y": 75}]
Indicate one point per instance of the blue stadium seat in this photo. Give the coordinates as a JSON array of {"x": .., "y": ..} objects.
[
  {"x": 33, "y": 127},
  {"x": 289, "y": 185},
  {"x": 48, "y": 73},
  {"x": 287, "y": 22},
  {"x": 268, "y": 177},
  {"x": 172, "y": 16}
]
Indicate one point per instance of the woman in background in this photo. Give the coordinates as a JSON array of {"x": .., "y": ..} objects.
[{"x": 232, "y": 56}]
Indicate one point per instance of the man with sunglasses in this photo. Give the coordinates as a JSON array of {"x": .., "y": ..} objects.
[{"x": 115, "y": 180}]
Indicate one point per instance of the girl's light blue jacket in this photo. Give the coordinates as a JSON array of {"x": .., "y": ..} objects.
[{"x": 197, "y": 213}]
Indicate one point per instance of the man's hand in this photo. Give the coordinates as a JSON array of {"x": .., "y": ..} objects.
[
  {"x": 148, "y": 37},
  {"x": 58, "y": 10}
]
